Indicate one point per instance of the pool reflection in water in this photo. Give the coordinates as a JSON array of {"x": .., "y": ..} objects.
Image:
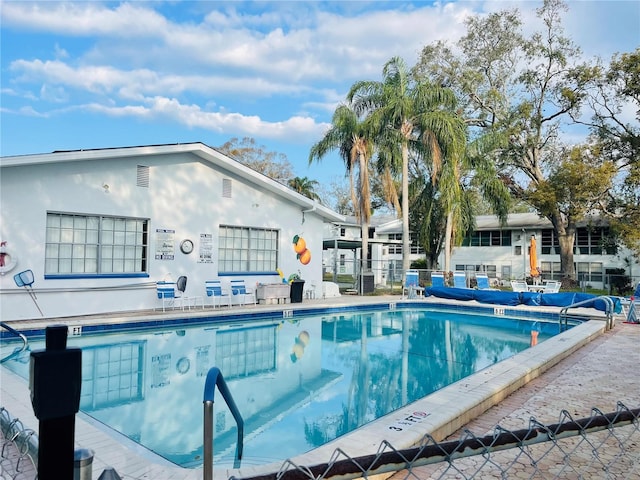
[{"x": 297, "y": 383}]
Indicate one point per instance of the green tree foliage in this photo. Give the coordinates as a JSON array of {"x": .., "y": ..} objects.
[
  {"x": 525, "y": 102},
  {"x": 305, "y": 186},
  {"x": 427, "y": 218},
  {"x": 473, "y": 173},
  {"x": 408, "y": 116},
  {"x": 354, "y": 140},
  {"x": 615, "y": 94},
  {"x": 577, "y": 184}
]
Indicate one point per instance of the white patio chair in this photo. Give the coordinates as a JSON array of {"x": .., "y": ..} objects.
[
  {"x": 310, "y": 291},
  {"x": 519, "y": 286},
  {"x": 551, "y": 286}
]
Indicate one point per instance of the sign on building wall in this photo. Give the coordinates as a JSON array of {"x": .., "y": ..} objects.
[
  {"x": 202, "y": 361},
  {"x": 205, "y": 254},
  {"x": 160, "y": 365},
  {"x": 165, "y": 239}
]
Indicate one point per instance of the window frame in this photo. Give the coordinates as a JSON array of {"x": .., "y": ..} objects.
[
  {"x": 241, "y": 247},
  {"x": 549, "y": 244},
  {"x": 488, "y": 238},
  {"x": 85, "y": 239},
  {"x": 100, "y": 362},
  {"x": 259, "y": 357}
]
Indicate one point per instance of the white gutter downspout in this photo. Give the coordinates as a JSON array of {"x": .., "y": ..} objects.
[{"x": 312, "y": 209}]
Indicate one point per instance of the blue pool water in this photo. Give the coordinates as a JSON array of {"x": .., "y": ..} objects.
[{"x": 298, "y": 383}]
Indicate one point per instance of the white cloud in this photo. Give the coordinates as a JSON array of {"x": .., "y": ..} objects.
[
  {"x": 228, "y": 67},
  {"x": 133, "y": 83},
  {"x": 53, "y": 94},
  {"x": 295, "y": 129},
  {"x": 335, "y": 47},
  {"x": 84, "y": 18},
  {"x": 60, "y": 52},
  {"x": 29, "y": 111}
]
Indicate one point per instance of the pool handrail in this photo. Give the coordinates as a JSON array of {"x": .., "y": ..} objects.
[
  {"x": 214, "y": 377},
  {"x": 609, "y": 311},
  {"x": 17, "y": 350}
]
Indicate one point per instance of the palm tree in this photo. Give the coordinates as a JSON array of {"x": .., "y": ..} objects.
[
  {"x": 304, "y": 186},
  {"x": 476, "y": 170},
  {"x": 416, "y": 116},
  {"x": 353, "y": 139}
]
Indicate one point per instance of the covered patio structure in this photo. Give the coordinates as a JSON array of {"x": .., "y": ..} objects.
[{"x": 360, "y": 284}]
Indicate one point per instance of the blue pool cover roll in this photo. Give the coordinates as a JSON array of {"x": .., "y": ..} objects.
[
  {"x": 499, "y": 297},
  {"x": 452, "y": 293},
  {"x": 533, "y": 299},
  {"x": 503, "y": 298}
]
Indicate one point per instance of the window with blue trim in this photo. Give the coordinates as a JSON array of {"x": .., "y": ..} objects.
[
  {"x": 112, "y": 375},
  {"x": 247, "y": 249},
  {"x": 246, "y": 352},
  {"x": 95, "y": 244}
]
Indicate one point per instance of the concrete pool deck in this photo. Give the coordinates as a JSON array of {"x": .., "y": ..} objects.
[{"x": 593, "y": 358}]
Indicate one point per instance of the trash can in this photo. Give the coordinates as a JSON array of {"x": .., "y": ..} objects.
[
  {"x": 297, "y": 287},
  {"x": 82, "y": 464}
]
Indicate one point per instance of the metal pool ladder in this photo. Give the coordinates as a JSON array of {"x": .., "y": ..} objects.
[
  {"x": 214, "y": 377},
  {"x": 18, "y": 350},
  {"x": 609, "y": 311}
]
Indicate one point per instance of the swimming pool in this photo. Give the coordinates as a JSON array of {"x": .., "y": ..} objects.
[{"x": 300, "y": 381}]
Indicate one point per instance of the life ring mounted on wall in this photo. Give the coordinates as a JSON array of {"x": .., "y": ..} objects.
[{"x": 8, "y": 261}]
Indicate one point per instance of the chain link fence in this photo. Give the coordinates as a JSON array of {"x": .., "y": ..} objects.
[
  {"x": 387, "y": 277},
  {"x": 19, "y": 455},
  {"x": 602, "y": 446}
]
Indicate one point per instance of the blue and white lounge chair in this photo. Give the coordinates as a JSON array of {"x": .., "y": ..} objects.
[
  {"x": 412, "y": 285},
  {"x": 217, "y": 293},
  {"x": 483, "y": 281},
  {"x": 173, "y": 294},
  {"x": 240, "y": 292},
  {"x": 437, "y": 279},
  {"x": 460, "y": 279},
  {"x": 166, "y": 292}
]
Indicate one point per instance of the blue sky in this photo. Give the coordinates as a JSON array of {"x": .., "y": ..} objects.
[{"x": 80, "y": 75}]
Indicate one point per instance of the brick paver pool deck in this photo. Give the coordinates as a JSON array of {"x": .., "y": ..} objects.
[{"x": 598, "y": 374}]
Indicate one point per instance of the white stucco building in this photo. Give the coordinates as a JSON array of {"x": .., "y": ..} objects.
[
  {"x": 500, "y": 250},
  {"x": 99, "y": 228},
  {"x": 503, "y": 251},
  {"x": 342, "y": 244}
]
